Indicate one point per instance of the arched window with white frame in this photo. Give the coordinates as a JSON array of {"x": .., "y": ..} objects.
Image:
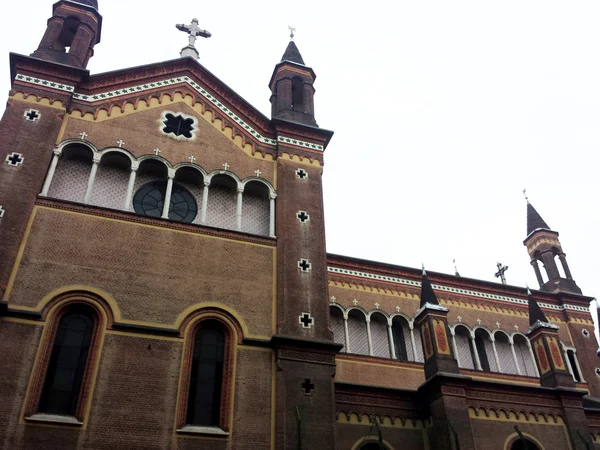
[
  {"x": 357, "y": 332},
  {"x": 464, "y": 349},
  {"x": 379, "y": 335}
]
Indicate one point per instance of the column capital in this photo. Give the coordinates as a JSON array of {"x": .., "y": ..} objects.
[
  {"x": 135, "y": 165},
  {"x": 97, "y": 158},
  {"x": 57, "y": 151},
  {"x": 273, "y": 195},
  {"x": 171, "y": 173},
  {"x": 206, "y": 182},
  {"x": 240, "y": 190}
]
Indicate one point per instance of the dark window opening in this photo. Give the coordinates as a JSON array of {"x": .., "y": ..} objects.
[
  {"x": 206, "y": 381},
  {"x": 178, "y": 126},
  {"x": 67, "y": 34},
  {"x": 399, "y": 342},
  {"x": 572, "y": 360},
  {"x": 523, "y": 444},
  {"x": 483, "y": 359},
  {"x": 373, "y": 446},
  {"x": 68, "y": 361},
  {"x": 149, "y": 201},
  {"x": 298, "y": 94}
]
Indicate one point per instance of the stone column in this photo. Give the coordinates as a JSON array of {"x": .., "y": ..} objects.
[
  {"x": 412, "y": 339},
  {"x": 538, "y": 274},
  {"x": 563, "y": 261},
  {"x": 238, "y": 214},
  {"x": 369, "y": 336},
  {"x": 391, "y": 339},
  {"x": 204, "y": 202},
  {"x": 512, "y": 349},
  {"x": 51, "y": 172},
  {"x": 82, "y": 42},
  {"x": 272, "y": 198},
  {"x": 130, "y": 186},
  {"x": 167, "y": 203},
  {"x": 453, "y": 333},
  {"x": 91, "y": 179},
  {"x": 495, "y": 354},
  {"x": 474, "y": 347},
  {"x": 346, "y": 335},
  {"x": 550, "y": 265}
]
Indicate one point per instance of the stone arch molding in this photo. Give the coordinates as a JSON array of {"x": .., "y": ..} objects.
[{"x": 248, "y": 206}]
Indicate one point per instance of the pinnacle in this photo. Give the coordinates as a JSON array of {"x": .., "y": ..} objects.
[
  {"x": 534, "y": 220},
  {"x": 427, "y": 294},
  {"x": 535, "y": 312},
  {"x": 292, "y": 54}
]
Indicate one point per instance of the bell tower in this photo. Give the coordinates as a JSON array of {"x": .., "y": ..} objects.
[
  {"x": 543, "y": 246},
  {"x": 71, "y": 34},
  {"x": 292, "y": 88}
]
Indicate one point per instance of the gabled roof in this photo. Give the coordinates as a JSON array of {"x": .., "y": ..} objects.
[{"x": 534, "y": 220}]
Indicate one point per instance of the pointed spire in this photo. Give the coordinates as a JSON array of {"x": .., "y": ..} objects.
[
  {"x": 292, "y": 54},
  {"x": 534, "y": 220},
  {"x": 535, "y": 312},
  {"x": 427, "y": 294}
]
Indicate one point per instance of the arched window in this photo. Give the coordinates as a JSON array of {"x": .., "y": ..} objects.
[
  {"x": 222, "y": 202},
  {"x": 256, "y": 209},
  {"x": 357, "y": 332},
  {"x": 505, "y": 353},
  {"x": 524, "y": 444},
  {"x": 402, "y": 343},
  {"x": 112, "y": 178},
  {"x": 150, "y": 198},
  {"x": 336, "y": 320},
  {"x": 464, "y": 349},
  {"x": 524, "y": 357},
  {"x": 380, "y": 336},
  {"x": 481, "y": 343},
  {"x": 72, "y": 173},
  {"x": 206, "y": 379},
  {"x": 68, "y": 362}
]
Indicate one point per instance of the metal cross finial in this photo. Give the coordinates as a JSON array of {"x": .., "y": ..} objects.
[
  {"x": 525, "y": 194},
  {"x": 455, "y": 268},
  {"x": 500, "y": 274},
  {"x": 292, "y": 30}
]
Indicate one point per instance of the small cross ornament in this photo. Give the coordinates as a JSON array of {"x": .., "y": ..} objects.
[
  {"x": 304, "y": 265},
  {"x": 397, "y": 309},
  {"x": 301, "y": 173},
  {"x": 225, "y": 166},
  {"x": 333, "y": 298},
  {"x": 192, "y": 159},
  {"x": 497, "y": 324},
  {"x": 32, "y": 115},
  {"x": 2, "y": 211},
  {"x": 303, "y": 217},
  {"x": 307, "y": 387},
  {"x": 83, "y": 135},
  {"x": 377, "y": 305},
  {"x": 478, "y": 321},
  {"x": 516, "y": 327},
  {"x": 355, "y": 302},
  {"x": 306, "y": 320},
  {"x": 459, "y": 319},
  {"x": 156, "y": 151},
  {"x": 120, "y": 143},
  {"x": 258, "y": 173},
  {"x": 15, "y": 159}
]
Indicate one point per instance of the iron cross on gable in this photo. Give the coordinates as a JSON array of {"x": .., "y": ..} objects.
[{"x": 193, "y": 31}]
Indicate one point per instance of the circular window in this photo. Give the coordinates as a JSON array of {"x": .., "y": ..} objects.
[{"x": 150, "y": 198}]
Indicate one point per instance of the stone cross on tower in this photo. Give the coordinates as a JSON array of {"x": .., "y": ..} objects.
[{"x": 193, "y": 31}]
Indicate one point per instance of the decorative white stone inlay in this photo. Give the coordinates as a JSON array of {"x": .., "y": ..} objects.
[
  {"x": 31, "y": 115},
  {"x": 2, "y": 211},
  {"x": 304, "y": 265},
  {"x": 302, "y": 174},
  {"x": 306, "y": 320},
  {"x": 83, "y": 135}
]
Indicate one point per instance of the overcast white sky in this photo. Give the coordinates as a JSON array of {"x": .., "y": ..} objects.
[{"x": 443, "y": 113}]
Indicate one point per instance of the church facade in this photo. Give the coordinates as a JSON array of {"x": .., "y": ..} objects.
[{"x": 133, "y": 315}]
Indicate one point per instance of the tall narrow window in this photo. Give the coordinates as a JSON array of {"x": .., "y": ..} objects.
[
  {"x": 399, "y": 341},
  {"x": 481, "y": 352},
  {"x": 206, "y": 380},
  {"x": 67, "y": 365},
  {"x": 574, "y": 367}
]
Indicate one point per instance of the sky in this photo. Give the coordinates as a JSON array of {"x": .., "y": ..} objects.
[{"x": 443, "y": 113}]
